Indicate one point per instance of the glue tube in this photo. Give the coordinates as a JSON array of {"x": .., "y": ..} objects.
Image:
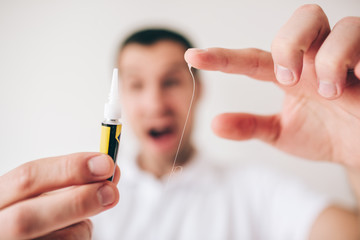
[{"x": 111, "y": 126}]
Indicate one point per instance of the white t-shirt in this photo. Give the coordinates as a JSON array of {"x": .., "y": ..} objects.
[{"x": 204, "y": 201}]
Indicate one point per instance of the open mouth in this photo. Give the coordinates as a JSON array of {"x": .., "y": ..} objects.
[{"x": 157, "y": 133}]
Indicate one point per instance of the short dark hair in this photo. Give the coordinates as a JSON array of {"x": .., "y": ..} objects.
[{"x": 150, "y": 36}]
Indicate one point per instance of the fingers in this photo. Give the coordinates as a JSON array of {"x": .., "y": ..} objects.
[
  {"x": 302, "y": 34},
  {"x": 338, "y": 54},
  {"x": 42, "y": 215},
  {"x": 331, "y": 58},
  {"x": 254, "y": 63},
  {"x": 81, "y": 230},
  {"x": 47, "y": 174},
  {"x": 306, "y": 39},
  {"x": 241, "y": 126}
]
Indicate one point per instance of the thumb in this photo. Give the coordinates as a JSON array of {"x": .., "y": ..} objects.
[{"x": 243, "y": 126}]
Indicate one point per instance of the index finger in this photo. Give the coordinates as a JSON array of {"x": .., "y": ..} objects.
[
  {"x": 36, "y": 177},
  {"x": 251, "y": 62}
]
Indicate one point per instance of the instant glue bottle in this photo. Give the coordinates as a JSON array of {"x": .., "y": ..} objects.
[{"x": 111, "y": 126}]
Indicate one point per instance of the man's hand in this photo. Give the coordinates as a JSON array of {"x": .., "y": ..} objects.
[
  {"x": 53, "y": 197},
  {"x": 312, "y": 64},
  {"x": 319, "y": 71}
]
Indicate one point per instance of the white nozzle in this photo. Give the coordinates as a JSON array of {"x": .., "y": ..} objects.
[{"x": 112, "y": 107}]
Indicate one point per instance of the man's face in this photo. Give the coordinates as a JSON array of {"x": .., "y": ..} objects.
[{"x": 156, "y": 93}]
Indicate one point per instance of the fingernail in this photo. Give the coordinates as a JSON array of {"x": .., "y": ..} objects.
[
  {"x": 106, "y": 195},
  {"x": 284, "y": 75},
  {"x": 198, "y": 50},
  {"x": 99, "y": 165},
  {"x": 327, "y": 89}
]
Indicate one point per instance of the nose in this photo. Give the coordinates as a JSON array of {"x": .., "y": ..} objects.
[{"x": 155, "y": 102}]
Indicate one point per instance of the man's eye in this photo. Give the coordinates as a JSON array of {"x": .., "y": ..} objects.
[
  {"x": 171, "y": 82},
  {"x": 136, "y": 86}
]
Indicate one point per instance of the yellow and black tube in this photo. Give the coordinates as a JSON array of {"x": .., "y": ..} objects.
[{"x": 110, "y": 139}]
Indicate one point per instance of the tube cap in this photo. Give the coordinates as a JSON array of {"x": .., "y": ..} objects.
[{"x": 112, "y": 107}]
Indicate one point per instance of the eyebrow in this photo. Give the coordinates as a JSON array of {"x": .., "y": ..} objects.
[
  {"x": 176, "y": 67},
  {"x": 172, "y": 67}
]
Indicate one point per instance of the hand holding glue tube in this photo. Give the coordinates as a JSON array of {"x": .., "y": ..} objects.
[
  {"x": 111, "y": 126},
  {"x": 31, "y": 209}
]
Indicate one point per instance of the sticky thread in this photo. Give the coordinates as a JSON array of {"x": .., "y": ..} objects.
[{"x": 173, "y": 169}]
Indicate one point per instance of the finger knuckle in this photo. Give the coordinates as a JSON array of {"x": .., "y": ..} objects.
[
  {"x": 224, "y": 60},
  {"x": 67, "y": 168},
  {"x": 286, "y": 45},
  {"x": 246, "y": 127},
  {"x": 275, "y": 126},
  {"x": 80, "y": 205},
  {"x": 329, "y": 62},
  {"x": 255, "y": 65},
  {"x": 21, "y": 223},
  {"x": 74, "y": 168},
  {"x": 26, "y": 177}
]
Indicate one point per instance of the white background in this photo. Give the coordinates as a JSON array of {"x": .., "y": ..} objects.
[{"x": 56, "y": 60}]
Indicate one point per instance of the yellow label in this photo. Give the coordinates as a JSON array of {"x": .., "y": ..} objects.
[
  {"x": 104, "y": 140},
  {"x": 118, "y": 132}
]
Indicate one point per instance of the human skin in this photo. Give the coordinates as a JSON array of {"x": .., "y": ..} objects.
[
  {"x": 156, "y": 92},
  {"x": 336, "y": 122},
  {"x": 319, "y": 70},
  {"x": 52, "y": 198},
  {"x": 32, "y": 209}
]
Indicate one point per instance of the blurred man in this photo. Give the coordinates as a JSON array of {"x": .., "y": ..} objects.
[
  {"x": 202, "y": 201},
  {"x": 318, "y": 69}
]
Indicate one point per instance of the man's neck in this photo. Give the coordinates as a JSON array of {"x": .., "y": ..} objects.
[{"x": 161, "y": 165}]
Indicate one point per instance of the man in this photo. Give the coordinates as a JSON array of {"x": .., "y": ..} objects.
[
  {"x": 192, "y": 203},
  {"x": 202, "y": 201}
]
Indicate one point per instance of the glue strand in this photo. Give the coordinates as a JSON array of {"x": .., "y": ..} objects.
[{"x": 185, "y": 124}]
